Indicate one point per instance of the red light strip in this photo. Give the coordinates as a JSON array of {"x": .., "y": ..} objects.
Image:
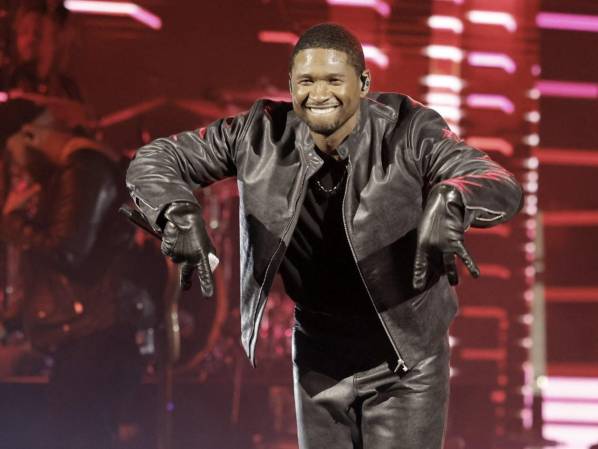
[
  {"x": 571, "y": 294},
  {"x": 570, "y": 218},
  {"x": 564, "y": 156}
]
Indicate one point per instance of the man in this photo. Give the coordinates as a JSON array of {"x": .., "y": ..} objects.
[
  {"x": 361, "y": 203},
  {"x": 62, "y": 213}
]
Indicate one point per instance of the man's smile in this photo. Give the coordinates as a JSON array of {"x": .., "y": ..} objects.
[{"x": 321, "y": 109}]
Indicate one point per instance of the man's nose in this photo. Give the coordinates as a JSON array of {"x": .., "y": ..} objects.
[{"x": 320, "y": 91}]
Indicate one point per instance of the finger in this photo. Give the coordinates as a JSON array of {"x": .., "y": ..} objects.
[
  {"x": 420, "y": 269},
  {"x": 186, "y": 274},
  {"x": 206, "y": 280},
  {"x": 450, "y": 268},
  {"x": 467, "y": 260}
]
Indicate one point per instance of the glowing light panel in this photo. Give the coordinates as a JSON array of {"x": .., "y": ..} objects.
[
  {"x": 115, "y": 9},
  {"x": 375, "y": 55},
  {"x": 570, "y": 89},
  {"x": 446, "y": 23},
  {"x": 573, "y": 22},
  {"x": 499, "y": 18},
  {"x": 454, "y": 54},
  {"x": 490, "y": 101},
  {"x": 379, "y": 6},
  {"x": 487, "y": 59}
]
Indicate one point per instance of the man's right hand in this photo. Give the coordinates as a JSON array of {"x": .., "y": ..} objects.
[{"x": 186, "y": 241}]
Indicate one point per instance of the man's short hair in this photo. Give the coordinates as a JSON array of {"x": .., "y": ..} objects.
[{"x": 331, "y": 36}]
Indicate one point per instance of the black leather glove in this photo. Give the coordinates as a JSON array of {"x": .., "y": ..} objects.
[
  {"x": 440, "y": 236},
  {"x": 186, "y": 241}
]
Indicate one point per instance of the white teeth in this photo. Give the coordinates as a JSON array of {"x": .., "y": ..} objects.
[{"x": 322, "y": 110}]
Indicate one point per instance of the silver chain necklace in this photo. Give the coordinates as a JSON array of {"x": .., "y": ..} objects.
[{"x": 334, "y": 188}]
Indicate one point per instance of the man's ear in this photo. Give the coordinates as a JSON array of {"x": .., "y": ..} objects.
[
  {"x": 290, "y": 85},
  {"x": 366, "y": 79}
]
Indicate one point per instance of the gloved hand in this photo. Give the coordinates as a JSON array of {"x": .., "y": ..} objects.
[
  {"x": 440, "y": 236},
  {"x": 186, "y": 241}
]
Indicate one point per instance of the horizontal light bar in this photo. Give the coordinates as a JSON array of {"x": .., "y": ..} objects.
[
  {"x": 379, "y": 6},
  {"x": 571, "y": 294},
  {"x": 495, "y": 271},
  {"x": 570, "y": 218},
  {"x": 573, "y": 22},
  {"x": 499, "y": 18},
  {"x": 449, "y": 82},
  {"x": 567, "y": 156},
  {"x": 374, "y": 54},
  {"x": 571, "y": 436},
  {"x": 491, "y": 144},
  {"x": 502, "y": 230},
  {"x": 569, "y": 89},
  {"x": 277, "y": 37},
  {"x": 488, "y": 59},
  {"x": 129, "y": 9},
  {"x": 572, "y": 412},
  {"x": 450, "y": 23},
  {"x": 483, "y": 354},
  {"x": 442, "y": 98},
  {"x": 448, "y": 113},
  {"x": 449, "y": 52},
  {"x": 490, "y": 101},
  {"x": 3, "y": 97}
]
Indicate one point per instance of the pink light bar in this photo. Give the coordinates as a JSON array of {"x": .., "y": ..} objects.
[
  {"x": 3, "y": 97},
  {"x": 574, "y": 413},
  {"x": 487, "y": 59},
  {"x": 571, "y": 294},
  {"x": 565, "y": 156},
  {"x": 379, "y": 6},
  {"x": 583, "y": 388},
  {"x": 573, "y": 22},
  {"x": 571, "y": 436},
  {"x": 375, "y": 55},
  {"x": 438, "y": 81},
  {"x": 278, "y": 37},
  {"x": 490, "y": 101},
  {"x": 499, "y": 18},
  {"x": 491, "y": 144},
  {"x": 454, "y": 54},
  {"x": 450, "y": 23},
  {"x": 115, "y": 9},
  {"x": 567, "y": 89},
  {"x": 570, "y": 218}
]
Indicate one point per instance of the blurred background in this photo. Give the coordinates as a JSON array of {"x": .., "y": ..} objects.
[{"x": 516, "y": 78}]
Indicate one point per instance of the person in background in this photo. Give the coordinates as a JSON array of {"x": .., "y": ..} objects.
[{"x": 79, "y": 306}]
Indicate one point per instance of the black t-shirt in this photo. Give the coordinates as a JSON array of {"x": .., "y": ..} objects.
[{"x": 319, "y": 271}]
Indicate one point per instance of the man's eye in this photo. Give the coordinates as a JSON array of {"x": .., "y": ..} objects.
[
  {"x": 305, "y": 82},
  {"x": 336, "y": 82}
]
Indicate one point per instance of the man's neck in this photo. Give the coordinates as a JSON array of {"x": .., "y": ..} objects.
[{"x": 329, "y": 143}]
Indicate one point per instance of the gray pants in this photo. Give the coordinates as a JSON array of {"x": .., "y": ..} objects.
[{"x": 339, "y": 407}]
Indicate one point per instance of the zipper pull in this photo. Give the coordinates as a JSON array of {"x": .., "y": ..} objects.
[{"x": 401, "y": 367}]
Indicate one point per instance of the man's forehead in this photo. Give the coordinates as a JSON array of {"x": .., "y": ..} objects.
[{"x": 310, "y": 57}]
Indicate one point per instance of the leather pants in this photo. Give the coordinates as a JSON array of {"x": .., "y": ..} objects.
[{"x": 341, "y": 405}]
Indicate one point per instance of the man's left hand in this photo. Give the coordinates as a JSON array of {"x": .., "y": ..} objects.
[{"x": 440, "y": 236}]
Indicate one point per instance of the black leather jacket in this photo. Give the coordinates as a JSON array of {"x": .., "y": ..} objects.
[{"x": 399, "y": 150}]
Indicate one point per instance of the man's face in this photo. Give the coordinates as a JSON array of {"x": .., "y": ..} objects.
[
  {"x": 325, "y": 89},
  {"x": 28, "y": 36}
]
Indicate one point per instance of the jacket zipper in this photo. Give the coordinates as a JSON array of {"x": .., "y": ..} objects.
[
  {"x": 289, "y": 225},
  {"x": 401, "y": 367}
]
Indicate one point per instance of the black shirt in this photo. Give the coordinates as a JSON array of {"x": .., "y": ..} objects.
[{"x": 319, "y": 271}]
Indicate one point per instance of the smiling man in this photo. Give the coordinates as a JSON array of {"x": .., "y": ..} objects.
[{"x": 360, "y": 201}]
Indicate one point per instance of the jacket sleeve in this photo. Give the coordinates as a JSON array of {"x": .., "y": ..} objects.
[
  {"x": 490, "y": 194},
  {"x": 170, "y": 169},
  {"x": 86, "y": 191}
]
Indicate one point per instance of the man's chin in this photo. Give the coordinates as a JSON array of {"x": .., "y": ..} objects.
[{"x": 321, "y": 128}]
